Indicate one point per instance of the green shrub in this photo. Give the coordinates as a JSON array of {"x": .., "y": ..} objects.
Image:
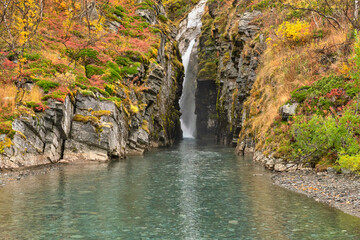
[
  {"x": 62, "y": 68},
  {"x": 91, "y": 70},
  {"x": 47, "y": 85},
  {"x": 299, "y": 95},
  {"x": 350, "y": 162},
  {"x": 110, "y": 89},
  {"x": 321, "y": 136},
  {"x": 82, "y": 80},
  {"x": 113, "y": 73},
  {"x": 324, "y": 86},
  {"x": 124, "y": 61},
  {"x": 32, "y": 57},
  {"x": 162, "y": 18},
  {"x": 129, "y": 70},
  {"x": 88, "y": 56}
]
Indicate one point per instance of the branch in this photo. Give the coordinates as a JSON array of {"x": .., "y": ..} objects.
[{"x": 327, "y": 17}]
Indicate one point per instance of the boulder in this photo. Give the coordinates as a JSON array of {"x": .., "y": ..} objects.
[{"x": 288, "y": 110}]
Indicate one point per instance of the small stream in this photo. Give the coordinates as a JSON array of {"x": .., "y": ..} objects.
[{"x": 190, "y": 191}]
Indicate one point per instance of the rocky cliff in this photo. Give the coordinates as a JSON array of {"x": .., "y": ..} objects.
[
  {"x": 229, "y": 50},
  {"x": 90, "y": 126}
]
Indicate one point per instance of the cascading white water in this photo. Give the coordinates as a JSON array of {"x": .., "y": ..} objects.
[{"x": 187, "y": 100}]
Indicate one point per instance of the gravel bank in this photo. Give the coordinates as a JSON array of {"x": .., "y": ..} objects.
[{"x": 337, "y": 190}]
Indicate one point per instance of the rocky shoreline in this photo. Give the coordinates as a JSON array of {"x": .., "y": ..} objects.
[{"x": 341, "y": 191}]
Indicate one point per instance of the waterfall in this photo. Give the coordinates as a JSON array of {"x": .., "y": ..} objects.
[{"x": 189, "y": 34}]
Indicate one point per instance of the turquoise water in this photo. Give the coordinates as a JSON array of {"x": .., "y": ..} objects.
[{"x": 189, "y": 191}]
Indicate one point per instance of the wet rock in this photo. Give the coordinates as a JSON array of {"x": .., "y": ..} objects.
[{"x": 270, "y": 164}]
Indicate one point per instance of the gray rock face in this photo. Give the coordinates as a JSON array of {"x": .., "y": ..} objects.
[
  {"x": 288, "y": 110},
  {"x": 86, "y": 128},
  {"x": 148, "y": 15},
  {"x": 245, "y": 26},
  {"x": 220, "y": 96}
]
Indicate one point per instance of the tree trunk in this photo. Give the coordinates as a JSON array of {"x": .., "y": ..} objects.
[{"x": 356, "y": 13}]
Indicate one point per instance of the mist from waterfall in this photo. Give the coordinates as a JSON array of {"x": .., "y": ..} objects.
[{"x": 187, "y": 100}]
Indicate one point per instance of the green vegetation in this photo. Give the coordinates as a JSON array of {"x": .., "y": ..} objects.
[
  {"x": 63, "y": 55},
  {"x": 47, "y": 85},
  {"x": 325, "y": 137},
  {"x": 177, "y": 8}
]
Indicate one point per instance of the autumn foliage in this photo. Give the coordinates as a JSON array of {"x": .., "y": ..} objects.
[{"x": 59, "y": 47}]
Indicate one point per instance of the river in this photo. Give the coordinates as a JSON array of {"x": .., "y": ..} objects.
[{"x": 190, "y": 191}]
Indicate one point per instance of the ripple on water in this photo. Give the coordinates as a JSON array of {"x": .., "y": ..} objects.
[{"x": 190, "y": 191}]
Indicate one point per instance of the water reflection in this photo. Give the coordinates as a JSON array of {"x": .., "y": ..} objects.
[
  {"x": 188, "y": 173},
  {"x": 192, "y": 191}
]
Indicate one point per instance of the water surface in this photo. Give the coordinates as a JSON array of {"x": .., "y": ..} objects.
[{"x": 190, "y": 191}]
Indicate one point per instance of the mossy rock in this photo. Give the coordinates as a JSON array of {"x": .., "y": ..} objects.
[
  {"x": 5, "y": 144},
  {"x": 208, "y": 71},
  {"x": 86, "y": 119},
  {"x": 101, "y": 113}
]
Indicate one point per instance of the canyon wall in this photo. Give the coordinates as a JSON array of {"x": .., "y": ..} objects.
[
  {"x": 87, "y": 127},
  {"x": 229, "y": 53}
]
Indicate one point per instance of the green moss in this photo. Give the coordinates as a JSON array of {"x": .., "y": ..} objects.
[
  {"x": 87, "y": 93},
  {"x": 162, "y": 18},
  {"x": 101, "y": 113},
  {"x": 208, "y": 71},
  {"x": 83, "y": 87},
  {"x": 5, "y": 144},
  {"x": 86, "y": 119},
  {"x": 88, "y": 56},
  {"x": 40, "y": 64},
  {"x": 82, "y": 80},
  {"x": 96, "y": 89}
]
